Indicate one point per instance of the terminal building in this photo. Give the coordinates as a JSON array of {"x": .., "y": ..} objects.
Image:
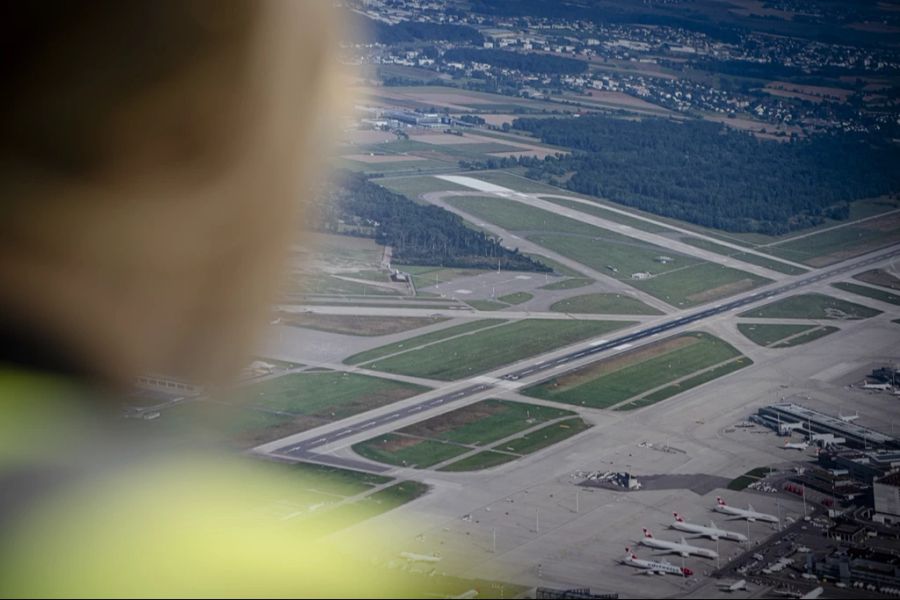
[{"x": 821, "y": 427}]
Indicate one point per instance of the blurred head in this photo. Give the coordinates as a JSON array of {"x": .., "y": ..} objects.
[{"x": 153, "y": 156}]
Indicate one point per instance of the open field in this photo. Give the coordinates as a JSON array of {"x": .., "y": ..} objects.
[
  {"x": 516, "y": 298},
  {"x": 599, "y": 211},
  {"x": 323, "y": 479},
  {"x": 879, "y": 277},
  {"x": 487, "y": 305},
  {"x": 427, "y": 275},
  {"x": 811, "y": 306},
  {"x": 608, "y": 382},
  {"x": 415, "y": 342},
  {"x": 753, "y": 259},
  {"x": 829, "y": 247},
  {"x": 473, "y": 354},
  {"x": 357, "y": 325},
  {"x": 686, "y": 384},
  {"x": 694, "y": 281},
  {"x": 766, "y": 334},
  {"x": 482, "y": 460},
  {"x": 327, "y": 396},
  {"x": 615, "y": 304},
  {"x": 546, "y": 436},
  {"x": 869, "y": 292},
  {"x": 484, "y": 422},
  {"x": 405, "y": 451},
  {"x": 807, "y": 337}
]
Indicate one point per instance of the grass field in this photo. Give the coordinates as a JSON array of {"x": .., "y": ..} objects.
[
  {"x": 546, "y": 436},
  {"x": 414, "y": 186},
  {"x": 879, "y": 277},
  {"x": 325, "y": 284},
  {"x": 484, "y": 422},
  {"x": 766, "y": 334},
  {"x": 608, "y": 382},
  {"x": 426, "y": 276},
  {"x": 482, "y": 460},
  {"x": 811, "y": 306},
  {"x": 604, "y": 213},
  {"x": 615, "y": 304},
  {"x": 487, "y": 305},
  {"x": 558, "y": 268},
  {"x": 473, "y": 354},
  {"x": 805, "y": 338},
  {"x": 568, "y": 284},
  {"x": 828, "y": 247},
  {"x": 329, "y": 395},
  {"x": 753, "y": 259},
  {"x": 868, "y": 292},
  {"x": 357, "y": 324},
  {"x": 686, "y": 384},
  {"x": 516, "y": 298},
  {"x": 481, "y": 425},
  {"x": 421, "y": 340},
  {"x": 322, "y": 479},
  {"x": 692, "y": 281}
]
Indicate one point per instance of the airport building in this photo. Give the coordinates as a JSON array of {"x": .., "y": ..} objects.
[
  {"x": 886, "y": 493},
  {"x": 821, "y": 427}
]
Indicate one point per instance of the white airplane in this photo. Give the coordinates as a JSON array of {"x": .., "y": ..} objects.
[
  {"x": 748, "y": 513},
  {"x": 848, "y": 418},
  {"x": 652, "y": 567},
  {"x": 682, "y": 547},
  {"x": 712, "y": 532},
  {"x": 877, "y": 386},
  {"x": 737, "y": 586},
  {"x": 425, "y": 558},
  {"x": 796, "y": 446}
]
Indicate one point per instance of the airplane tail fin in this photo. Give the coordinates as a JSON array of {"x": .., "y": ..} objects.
[
  {"x": 678, "y": 518},
  {"x": 720, "y": 501},
  {"x": 750, "y": 508},
  {"x": 647, "y": 533}
]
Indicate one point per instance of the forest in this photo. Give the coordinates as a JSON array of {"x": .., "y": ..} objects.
[
  {"x": 527, "y": 63},
  {"x": 419, "y": 234},
  {"x": 414, "y": 31},
  {"x": 711, "y": 175}
]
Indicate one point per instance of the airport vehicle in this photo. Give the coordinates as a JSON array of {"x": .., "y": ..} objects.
[
  {"x": 796, "y": 446},
  {"x": 712, "y": 532},
  {"x": 682, "y": 548},
  {"x": 653, "y": 567},
  {"x": 737, "y": 586},
  {"x": 743, "y": 513}
]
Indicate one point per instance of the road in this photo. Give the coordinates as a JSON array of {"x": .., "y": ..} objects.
[{"x": 304, "y": 448}]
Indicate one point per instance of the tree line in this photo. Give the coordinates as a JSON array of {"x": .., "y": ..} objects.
[
  {"x": 711, "y": 175},
  {"x": 415, "y": 31},
  {"x": 418, "y": 234}
]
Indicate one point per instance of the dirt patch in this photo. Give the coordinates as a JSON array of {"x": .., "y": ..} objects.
[
  {"x": 616, "y": 363},
  {"x": 454, "y": 420},
  {"x": 728, "y": 289}
]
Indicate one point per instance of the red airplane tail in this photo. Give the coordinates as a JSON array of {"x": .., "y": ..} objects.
[
  {"x": 647, "y": 533},
  {"x": 678, "y": 518}
]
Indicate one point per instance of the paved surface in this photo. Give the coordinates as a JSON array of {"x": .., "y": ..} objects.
[{"x": 535, "y": 367}]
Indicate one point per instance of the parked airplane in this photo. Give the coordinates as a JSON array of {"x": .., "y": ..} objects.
[
  {"x": 737, "y": 586},
  {"x": 712, "y": 532},
  {"x": 682, "y": 547},
  {"x": 877, "y": 386},
  {"x": 848, "y": 418},
  {"x": 748, "y": 513},
  {"x": 796, "y": 446},
  {"x": 426, "y": 558},
  {"x": 652, "y": 567}
]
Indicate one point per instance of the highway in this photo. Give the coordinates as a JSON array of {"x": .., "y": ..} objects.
[{"x": 304, "y": 448}]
